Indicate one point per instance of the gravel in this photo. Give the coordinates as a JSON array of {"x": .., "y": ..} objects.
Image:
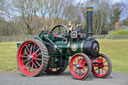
[{"x": 63, "y": 79}]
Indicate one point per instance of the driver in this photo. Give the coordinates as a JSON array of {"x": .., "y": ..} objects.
[{"x": 71, "y": 27}]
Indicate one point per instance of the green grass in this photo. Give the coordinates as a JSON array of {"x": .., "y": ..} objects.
[
  {"x": 8, "y": 52},
  {"x": 117, "y": 50}
]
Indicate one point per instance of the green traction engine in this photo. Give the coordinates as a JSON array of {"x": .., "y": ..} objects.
[{"x": 50, "y": 52}]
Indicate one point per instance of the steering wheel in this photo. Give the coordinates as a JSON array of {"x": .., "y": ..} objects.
[{"x": 59, "y": 31}]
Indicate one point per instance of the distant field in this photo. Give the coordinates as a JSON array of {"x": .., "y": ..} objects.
[{"x": 117, "y": 50}]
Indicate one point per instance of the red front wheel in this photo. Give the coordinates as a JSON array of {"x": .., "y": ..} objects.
[
  {"x": 102, "y": 69},
  {"x": 80, "y": 66}
]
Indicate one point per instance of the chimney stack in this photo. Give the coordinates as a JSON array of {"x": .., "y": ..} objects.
[{"x": 89, "y": 22}]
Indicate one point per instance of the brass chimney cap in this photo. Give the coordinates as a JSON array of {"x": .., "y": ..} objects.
[{"x": 89, "y": 8}]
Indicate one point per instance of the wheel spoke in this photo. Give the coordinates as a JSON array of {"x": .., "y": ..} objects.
[
  {"x": 81, "y": 72},
  {"x": 32, "y": 68},
  {"x": 29, "y": 67},
  {"x": 80, "y": 61},
  {"x": 27, "y": 63},
  {"x": 98, "y": 71},
  {"x": 38, "y": 59},
  {"x": 78, "y": 72},
  {"x": 84, "y": 66},
  {"x": 74, "y": 65},
  {"x": 26, "y": 52},
  {"x": 75, "y": 62},
  {"x": 27, "y": 48},
  {"x": 105, "y": 61},
  {"x": 102, "y": 71},
  {"x": 38, "y": 54},
  {"x": 34, "y": 65},
  {"x": 84, "y": 70},
  {"x": 36, "y": 51},
  {"x": 75, "y": 70},
  {"x": 105, "y": 69},
  {"x": 38, "y": 63},
  {"x": 25, "y": 60},
  {"x": 31, "y": 49}
]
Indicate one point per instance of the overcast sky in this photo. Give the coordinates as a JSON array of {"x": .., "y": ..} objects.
[{"x": 114, "y": 1}]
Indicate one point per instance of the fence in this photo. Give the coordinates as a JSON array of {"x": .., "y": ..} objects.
[{"x": 26, "y": 37}]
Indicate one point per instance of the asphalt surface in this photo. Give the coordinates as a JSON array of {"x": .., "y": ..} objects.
[{"x": 62, "y": 79}]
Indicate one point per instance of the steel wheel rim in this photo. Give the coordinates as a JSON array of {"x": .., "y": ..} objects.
[
  {"x": 31, "y": 56},
  {"x": 77, "y": 72},
  {"x": 101, "y": 70}
]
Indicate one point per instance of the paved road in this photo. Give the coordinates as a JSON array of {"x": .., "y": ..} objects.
[{"x": 63, "y": 79}]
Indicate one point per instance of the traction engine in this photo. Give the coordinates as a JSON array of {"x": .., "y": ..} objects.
[{"x": 50, "y": 52}]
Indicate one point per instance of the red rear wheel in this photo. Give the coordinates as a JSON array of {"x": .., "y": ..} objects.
[
  {"x": 102, "y": 70},
  {"x": 80, "y": 66},
  {"x": 32, "y": 58}
]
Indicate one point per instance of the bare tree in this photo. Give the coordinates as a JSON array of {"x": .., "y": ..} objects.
[
  {"x": 6, "y": 24},
  {"x": 28, "y": 10}
]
